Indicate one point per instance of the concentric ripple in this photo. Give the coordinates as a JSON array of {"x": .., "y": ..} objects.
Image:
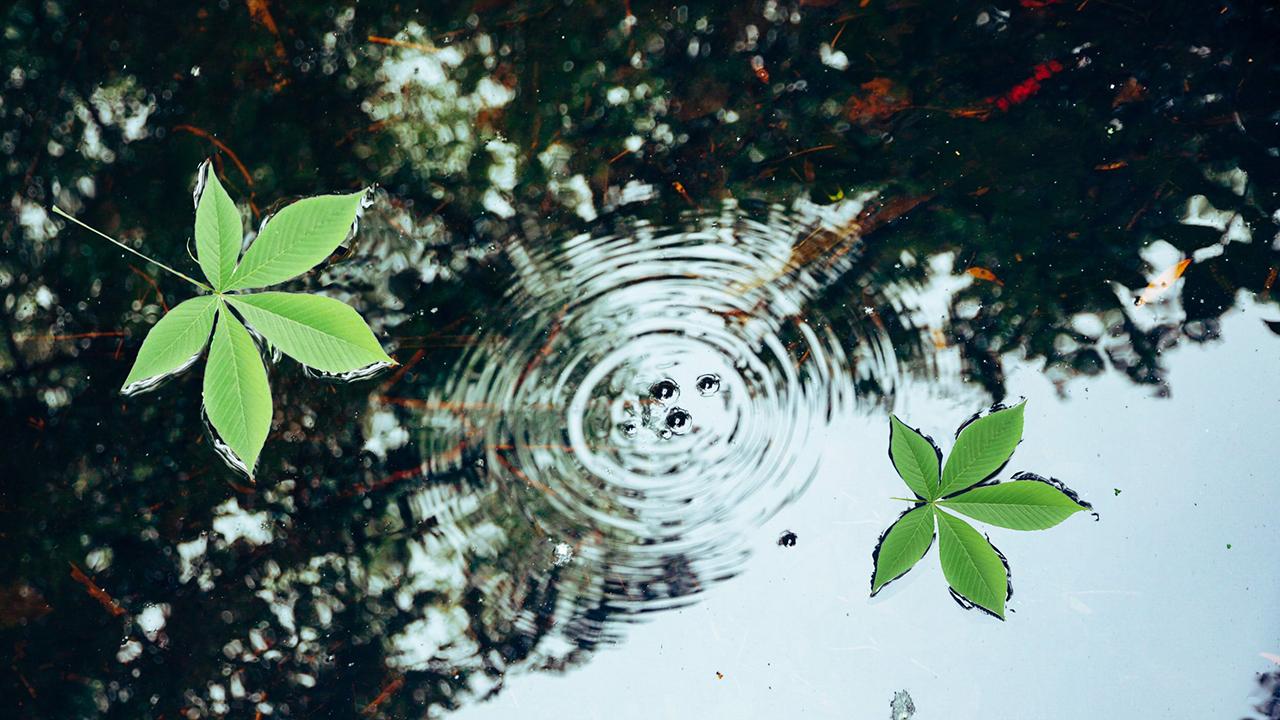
[{"x": 664, "y": 388}]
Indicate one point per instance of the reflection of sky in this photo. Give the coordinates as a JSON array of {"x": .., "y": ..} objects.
[{"x": 1144, "y": 614}]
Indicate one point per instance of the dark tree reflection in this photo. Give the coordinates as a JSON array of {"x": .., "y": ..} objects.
[{"x": 385, "y": 565}]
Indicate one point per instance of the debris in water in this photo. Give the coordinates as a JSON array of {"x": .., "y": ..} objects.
[
  {"x": 901, "y": 707},
  {"x": 982, "y": 273},
  {"x": 719, "y": 675},
  {"x": 1161, "y": 283},
  {"x": 787, "y": 539},
  {"x": 1116, "y": 490}
]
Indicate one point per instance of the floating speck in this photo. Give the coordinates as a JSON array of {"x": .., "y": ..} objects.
[{"x": 787, "y": 539}]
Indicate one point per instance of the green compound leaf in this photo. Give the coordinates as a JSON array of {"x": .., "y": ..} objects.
[
  {"x": 902, "y": 546},
  {"x": 173, "y": 342},
  {"x": 971, "y": 565},
  {"x": 237, "y": 398},
  {"x": 982, "y": 448},
  {"x": 1017, "y": 505},
  {"x": 317, "y": 331},
  {"x": 219, "y": 232},
  {"x": 296, "y": 239},
  {"x": 915, "y": 457}
]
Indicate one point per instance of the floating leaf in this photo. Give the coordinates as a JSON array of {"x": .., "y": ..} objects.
[
  {"x": 982, "y": 447},
  {"x": 902, "y": 546},
  {"x": 1018, "y": 505},
  {"x": 1162, "y": 282},
  {"x": 320, "y": 332},
  {"x": 971, "y": 564},
  {"x": 174, "y": 341},
  {"x": 237, "y": 398},
  {"x": 317, "y": 331},
  {"x": 219, "y": 232},
  {"x": 296, "y": 239},
  {"x": 915, "y": 457}
]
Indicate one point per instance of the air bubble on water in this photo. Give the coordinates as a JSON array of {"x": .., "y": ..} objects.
[
  {"x": 679, "y": 420},
  {"x": 630, "y": 428},
  {"x": 665, "y": 390},
  {"x": 708, "y": 384},
  {"x": 665, "y": 434}
]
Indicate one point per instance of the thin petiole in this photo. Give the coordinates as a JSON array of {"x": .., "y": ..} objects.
[
  {"x": 59, "y": 211},
  {"x": 910, "y": 500}
]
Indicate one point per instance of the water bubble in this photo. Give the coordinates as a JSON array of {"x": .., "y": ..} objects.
[
  {"x": 708, "y": 384},
  {"x": 630, "y": 428},
  {"x": 665, "y": 390},
  {"x": 679, "y": 420}
]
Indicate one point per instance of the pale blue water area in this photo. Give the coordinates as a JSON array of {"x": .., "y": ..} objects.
[{"x": 1145, "y": 613}]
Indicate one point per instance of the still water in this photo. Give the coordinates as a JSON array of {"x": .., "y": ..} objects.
[{"x": 655, "y": 277}]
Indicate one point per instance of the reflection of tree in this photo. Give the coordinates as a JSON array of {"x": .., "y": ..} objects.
[{"x": 107, "y": 110}]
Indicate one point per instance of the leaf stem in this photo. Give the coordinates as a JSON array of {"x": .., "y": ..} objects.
[
  {"x": 59, "y": 211},
  {"x": 910, "y": 500}
]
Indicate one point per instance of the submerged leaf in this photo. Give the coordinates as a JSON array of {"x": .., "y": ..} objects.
[
  {"x": 915, "y": 457},
  {"x": 219, "y": 232},
  {"x": 982, "y": 448},
  {"x": 177, "y": 338},
  {"x": 971, "y": 565},
  {"x": 902, "y": 546},
  {"x": 237, "y": 398},
  {"x": 1017, "y": 505},
  {"x": 296, "y": 239},
  {"x": 317, "y": 331}
]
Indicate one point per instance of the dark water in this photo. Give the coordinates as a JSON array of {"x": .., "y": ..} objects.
[{"x": 656, "y": 275}]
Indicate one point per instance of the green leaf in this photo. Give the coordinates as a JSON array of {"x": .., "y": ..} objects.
[
  {"x": 177, "y": 338},
  {"x": 982, "y": 448},
  {"x": 219, "y": 232},
  {"x": 317, "y": 331},
  {"x": 902, "y": 546},
  {"x": 1017, "y": 505},
  {"x": 915, "y": 458},
  {"x": 296, "y": 239},
  {"x": 237, "y": 398},
  {"x": 971, "y": 565}
]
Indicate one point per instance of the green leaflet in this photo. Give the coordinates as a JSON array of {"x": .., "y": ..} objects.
[
  {"x": 317, "y": 331},
  {"x": 915, "y": 458},
  {"x": 1018, "y": 505},
  {"x": 982, "y": 448},
  {"x": 902, "y": 546},
  {"x": 296, "y": 239},
  {"x": 237, "y": 398},
  {"x": 974, "y": 569},
  {"x": 219, "y": 232},
  {"x": 177, "y": 338},
  {"x": 971, "y": 564},
  {"x": 321, "y": 332}
]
